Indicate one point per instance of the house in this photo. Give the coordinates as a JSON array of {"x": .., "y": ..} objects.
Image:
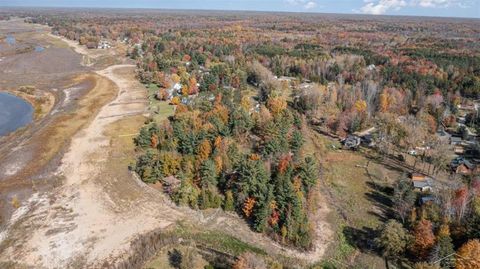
[
  {"x": 417, "y": 177},
  {"x": 352, "y": 142},
  {"x": 427, "y": 199},
  {"x": 91, "y": 45},
  {"x": 459, "y": 149},
  {"x": 104, "y": 45},
  {"x": 423, "y": 185},
  {"x": 466, "y": 168},
  {"x": 455, "y": 140},
  {"x": 443, "y": 135}
]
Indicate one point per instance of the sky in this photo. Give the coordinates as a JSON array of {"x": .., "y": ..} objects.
[{"x": 443, "y": 8}]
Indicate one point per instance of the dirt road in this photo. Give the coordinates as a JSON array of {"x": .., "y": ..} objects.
[{"x": 79, "y": 222}]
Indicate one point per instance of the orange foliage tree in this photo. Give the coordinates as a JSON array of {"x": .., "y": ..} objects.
[
  {"x": 276, "y": 105},
  {"x": 154, "y": 141},
  {"x": 248, "y": 206},
  {"x": 424, "y": 239},
  {"x": 468, "y": 256}
]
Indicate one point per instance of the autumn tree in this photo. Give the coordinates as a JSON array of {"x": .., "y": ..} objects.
[
  {"x": 468, "y": 255},
  {"x": 204, "y": 150},
  {"x": 248, "y": 206},
  {"x": 423, "y": 239}
]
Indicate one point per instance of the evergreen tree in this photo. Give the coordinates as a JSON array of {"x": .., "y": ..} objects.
[
  {"x": 296, "y": 141},
  {"x": 229, "y": 201},
  {"x": 253, "y": 179},
  {"x": 143, "y": 139},
  {"x": 240, "y": 121},
  {"x": 308, "y": 173},
  {"x": 262, "y": 213},
  {"x": 442, "y": 252},
  {"x": 208, "y": 174}
]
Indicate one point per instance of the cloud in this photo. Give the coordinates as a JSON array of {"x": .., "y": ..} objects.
[
  {"x": 377, "y": 7},
  {"x": 437, "y": 3},
  {"x": 310, "y": 5},
  {"x": 382, "y": 6},
  {"x": 306, "y": 4}
]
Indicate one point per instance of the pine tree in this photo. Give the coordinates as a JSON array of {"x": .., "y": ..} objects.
[
  {"x": 229, "y": 201},
  {"x": 442, "y": 251},
  {"x": 262, "y": 213},
  {"x": 296, "y": 141},
  {"x": 308, "y": 172},
  {"x": 253, "y": 179},
  {"x": 208, "y": 174}
]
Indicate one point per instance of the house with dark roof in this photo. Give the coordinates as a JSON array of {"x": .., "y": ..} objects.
[
  {"x": 455, "y": 140},
  {"x": 466, "y": 168},
  {"x": 423, "y": 185}
]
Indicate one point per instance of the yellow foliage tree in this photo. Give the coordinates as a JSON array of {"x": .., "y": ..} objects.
[
  {"x": 468, "y": 256},
  {"x": 248, "y": 206},
  {"x": 276, "y": 105},
  {"x": 185, "y": 90},
  {"x": 175, "y": 100},
  {"x": 204, "y": 150},
  {"x": 360, "y": 106},
  {"x": 384, "y": 102},
  {"x": 175, "y": 78}
]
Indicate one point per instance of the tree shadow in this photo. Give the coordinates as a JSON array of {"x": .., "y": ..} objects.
[
  {"x": 362, "y": 239},
  {"x": 380, "y": 197}
]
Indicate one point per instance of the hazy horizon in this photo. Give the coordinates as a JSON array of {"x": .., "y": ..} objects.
[{"x": 428, "y": 8}]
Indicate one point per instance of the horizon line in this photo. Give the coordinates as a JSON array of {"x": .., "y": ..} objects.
[{"x": 236, "y": 10}]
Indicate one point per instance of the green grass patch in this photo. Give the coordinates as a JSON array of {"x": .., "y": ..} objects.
[
  {"x": 218, "y": 241},
  {"x": 160, "y": 109}
]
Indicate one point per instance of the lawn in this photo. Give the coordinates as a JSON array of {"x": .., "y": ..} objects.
[{"x": 160, "y": 109}]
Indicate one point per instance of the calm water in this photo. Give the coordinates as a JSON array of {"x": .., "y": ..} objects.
[
  {"x": 11, "y": 40},
  {"x": 14, "y": 113}
]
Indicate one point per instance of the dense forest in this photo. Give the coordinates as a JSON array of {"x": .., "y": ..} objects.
[{"x": 247, "y": 87}]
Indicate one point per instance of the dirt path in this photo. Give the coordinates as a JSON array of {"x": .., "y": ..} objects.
[{"x": 79, "y": 223}]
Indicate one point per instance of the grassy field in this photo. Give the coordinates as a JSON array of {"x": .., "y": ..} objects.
[
  {"x": 358, "y": 191},
  {"x": 160, "y": 109}
]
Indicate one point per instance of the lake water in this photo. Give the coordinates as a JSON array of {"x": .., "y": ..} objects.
[
  {"x": 11, "y": 40},
  {"x": 14, "y": 113}
]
